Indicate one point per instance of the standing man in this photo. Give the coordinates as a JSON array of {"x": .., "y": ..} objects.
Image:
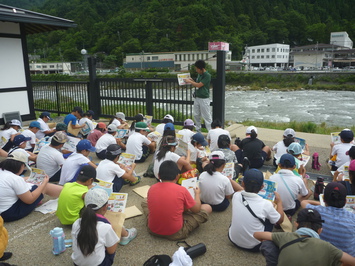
[{"x": 202, "y": 95}]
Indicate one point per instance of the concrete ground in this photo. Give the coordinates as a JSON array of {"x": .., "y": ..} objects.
[{"x": 31, "y": 243}]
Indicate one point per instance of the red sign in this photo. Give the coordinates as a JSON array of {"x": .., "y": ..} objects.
[{"x": 218, "y": 46}]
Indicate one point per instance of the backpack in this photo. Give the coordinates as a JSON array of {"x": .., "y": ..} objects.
[
  {"x": 318, "y": 188},
  {"x": 315, "y": 161}
]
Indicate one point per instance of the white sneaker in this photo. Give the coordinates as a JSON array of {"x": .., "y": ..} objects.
[{"x": 132, "y": 233}]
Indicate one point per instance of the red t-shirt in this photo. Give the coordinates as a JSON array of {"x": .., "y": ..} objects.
[{"x": 166, "y": 203}]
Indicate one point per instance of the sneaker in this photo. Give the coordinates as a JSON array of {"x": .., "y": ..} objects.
[
  {"x": 132, "y": 233},
  {"x": 135, "y": 182},
  {"x": 246, "y": 164}
]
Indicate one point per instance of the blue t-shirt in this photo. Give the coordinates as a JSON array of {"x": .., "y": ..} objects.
[
  {"x": 70, "y": 117},
  {"x": 338, "y": 227}
]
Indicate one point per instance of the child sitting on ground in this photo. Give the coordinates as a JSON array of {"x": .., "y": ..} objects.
[
  {"x": 187, "y": 131},
  {"x": 217, "y": 189},
  {"x": 71, "y": 199},
  {"x": 198, "y": 158},
  {"x": 8, "y": 133},
  {"x": 339, "y": 150},
  {"x": 94, "y": 240},
  {"x": 31, "y": 133},
  {"x": 253, "y": 148},
  {"x": 214, "y": 133},
  {"x": 171, "y": 211},
  {"x": 75, "y": 161},
  {"x": 303, "y": 246},
  {"x": 110, "y": 171},
  {"x": 295, "y": 149},
  {"x": 292, "y": 189},
  {"x": 340, "y": 174},
  {"x": 138, "y": 143},
  {"x": 19, "y": 144},
  {"x": 251, "y": 213}
]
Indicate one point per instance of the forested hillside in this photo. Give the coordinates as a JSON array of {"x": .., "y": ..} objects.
[{"x": 112, "y": 28}]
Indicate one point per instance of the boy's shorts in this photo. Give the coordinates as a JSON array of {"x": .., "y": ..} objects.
[{"x": 191, "y": 221}]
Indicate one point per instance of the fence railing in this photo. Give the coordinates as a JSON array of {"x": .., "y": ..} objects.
[
  {"x": 59, "y": 97},
  {"x": 156, "y": 97}
]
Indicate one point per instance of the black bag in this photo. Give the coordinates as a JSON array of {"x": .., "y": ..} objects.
[
  {"x": 158, "y": 260},
  {"x": 193, "y": 251},
  {"x": 318, "y": 188}
]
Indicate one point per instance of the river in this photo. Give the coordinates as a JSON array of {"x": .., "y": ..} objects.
[{"x": 336, "y": 108}]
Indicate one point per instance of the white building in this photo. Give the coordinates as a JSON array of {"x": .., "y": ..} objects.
[
  {"x": 341, "y": 39},
  {"x": 275, "y": 54},
  {"x": 51, "y": 68},
  {"x": 179, "y": 61}
]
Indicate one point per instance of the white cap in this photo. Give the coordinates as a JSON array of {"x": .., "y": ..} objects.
[
  {"x": 19, "y": 156},
  {"x": 96, "y": 196},
  {"x": 15, "y": 122},
  {"x": 289, "y": 131},
  {"x": 249, "y": 129},
  {"x": 111, "y": 128},
  {"x": 170, "y": 117},
  {"x": 217, "y": 155},
  {"x": 121, "y": 115}
]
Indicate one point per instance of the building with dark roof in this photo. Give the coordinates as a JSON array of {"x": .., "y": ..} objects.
[{"x": 15, "y": 83}]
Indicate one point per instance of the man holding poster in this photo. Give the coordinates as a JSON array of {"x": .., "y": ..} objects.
[{"x": 202, "y": 95}]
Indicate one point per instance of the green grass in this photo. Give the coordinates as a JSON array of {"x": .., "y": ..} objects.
[{"x": 308, "y": 127}]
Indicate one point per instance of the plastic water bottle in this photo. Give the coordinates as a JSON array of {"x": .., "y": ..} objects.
[{"x": 58, "y": 237}]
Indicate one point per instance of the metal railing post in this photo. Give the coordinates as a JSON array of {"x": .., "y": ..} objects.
[
  {"x": 219, "y": 90},
  {"x": 94, "y": 90}
]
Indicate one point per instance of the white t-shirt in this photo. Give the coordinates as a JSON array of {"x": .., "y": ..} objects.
[
  {"x": 169, "y": 156},
  {"x": 44, "y": 127},
  {"x": 244, "y": 224},
  {"x": 279, "y": 149},
  {"x": 6, "y": 134},
  {"x": 194, "y": 152},
  {"x": 135, "y": 143},
  {"x": 341, "y": 170},
  {"x": 340, "y": 150},
  {"x": 71, "y": 167},
  {"x": 213, "y": 135},
  {"x": 160, "y": 128},
  {"x": 84, "y": 120},
  {"x": 28, "y": 133},
  {"x": 116, "y": 122},
  {"x": 104, "y": 141},
  {"x": 214, "y": 188},
  {"x": 11, "y": 185},
  {"x": 50, "y": 160},
  {"x": 106, "y": 238},
  {"x": 186, "y": 134},
  {"x": 107, "y": 170},
  {"x": 294, "y": 183}
]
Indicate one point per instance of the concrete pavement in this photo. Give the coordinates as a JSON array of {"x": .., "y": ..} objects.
[{"x": 31, "y": 243}]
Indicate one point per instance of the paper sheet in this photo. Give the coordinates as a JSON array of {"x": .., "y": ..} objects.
[
  {"x": 116, "y": 219},
  {"x": 142, "y": 191},
  {"x": 48, "y": 207},
  {"x": 132, "y": 211}
]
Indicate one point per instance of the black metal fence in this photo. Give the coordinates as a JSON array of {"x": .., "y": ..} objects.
[
  {"x": 60, "y": 97},
  {"x": 156, "y": 97}
]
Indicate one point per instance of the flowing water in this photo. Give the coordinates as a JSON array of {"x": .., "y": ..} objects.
[{"x": 333, "y": 107}]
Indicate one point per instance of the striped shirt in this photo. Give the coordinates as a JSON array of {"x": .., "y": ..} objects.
[{"x": 338, "y": 227}]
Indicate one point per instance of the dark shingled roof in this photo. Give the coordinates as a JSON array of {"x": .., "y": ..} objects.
[{"x": 33, "y": 22}]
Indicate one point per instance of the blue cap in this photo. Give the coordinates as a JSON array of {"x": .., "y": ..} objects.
[
  {"x": 294, "y": 148},
  {"x": 19, "y": 139},
  {"x": 35, "y": 124},
  {"x": 200, "y": 139},
  {"x": 84, "y": 144},
  {"x": 287, "y": 160},
  {"x": 46, "y": 114},
  {"x": 169, "y": 126},
  {"x": 253, "y": 178}
]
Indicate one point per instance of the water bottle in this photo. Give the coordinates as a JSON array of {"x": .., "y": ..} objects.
[
  {"x": 196, "y": 250},
  {"x": 58, "y": 237}
]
